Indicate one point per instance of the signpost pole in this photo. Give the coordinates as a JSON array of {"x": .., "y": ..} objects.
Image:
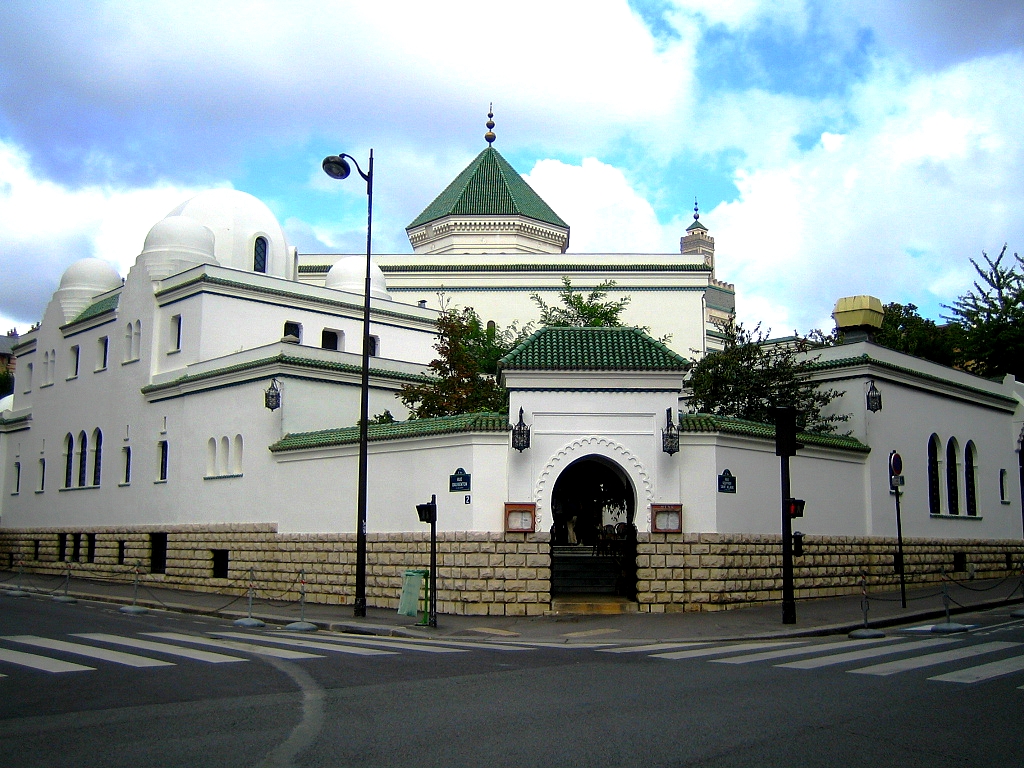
[
  {"x": 895, "y": 479},
  {"x": 433, "y": 564}
]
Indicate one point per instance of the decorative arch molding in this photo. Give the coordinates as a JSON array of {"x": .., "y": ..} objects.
[{"x": 581, "y": 448}]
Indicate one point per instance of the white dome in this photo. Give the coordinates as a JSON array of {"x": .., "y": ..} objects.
[
  {"x": 182, "y": 238},
  {"x": 237, "y": 219},
  {"x": 91, "y": 275},
  {"x": 349, "y": 275}
]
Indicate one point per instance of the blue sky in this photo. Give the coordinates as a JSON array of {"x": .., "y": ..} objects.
[{"x": 836, "y": 147}]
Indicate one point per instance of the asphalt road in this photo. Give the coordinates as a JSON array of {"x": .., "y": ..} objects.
[{"x": 192, "y": 691}]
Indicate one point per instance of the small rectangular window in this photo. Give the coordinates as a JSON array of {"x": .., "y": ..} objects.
[
  {"x": 121, "y": 552},
  {"x": 293, "y": 332},
  {"x": 175, "y": 339},
  {"x": 35, "y": 549},
  {"x": 17, "y": 478},
  {"x": 158, "y": 553},
  {"x": 1002, "y": 486},
  {"x": 220, "y": 559},
  {"x": 102, "y": 350},
  {"x": 126, "y": 455},
  {"x": 90, "y": 547},
  {"x": 28, "y": 377},
  {"x": 42, "y": 475},
  {"x": 76, "y": 547},
  {"x": 329, "y": 339},
  {"x": 164, "y": 451},
  {"x": 374, "y": 346},
  {"x": 73, "y": 361},
  {"x": 959, "y": 562},
  {"x": 62, "y": 547}
]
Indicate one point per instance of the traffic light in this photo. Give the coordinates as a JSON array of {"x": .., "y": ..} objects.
[
  {"x": 798, "y": 544},
  {"x": 794, "y": 508},
  {"x": 785, "y": 431},
  {"x": 427, "y": 512}
]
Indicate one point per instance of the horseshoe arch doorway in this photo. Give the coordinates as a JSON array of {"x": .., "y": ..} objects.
[{"x": 593, "y": 534}]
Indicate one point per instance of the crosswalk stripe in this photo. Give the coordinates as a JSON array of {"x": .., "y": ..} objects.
[
  {"x": 335, "y": 647},
  {"x": 173, "y": 650},
  {"x": 259, "y": 650},
  {"x": 931, "y": 659},
  {"x": 42, "y": 663},
  {"x": 801, "y": 651},
  {"x": 572, "y": 646},
  {"x": 650, "y": 647},
  {"x": 721, "y": 650},
  {"x": 866, "y": 653},
  {"x": 983, "y": 672},
  {"x": 418, "y": 644},
  {"x": 103, "y": 654}
]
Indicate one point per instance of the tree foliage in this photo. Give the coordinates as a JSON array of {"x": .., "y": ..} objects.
[
  {"x": 748, "y": 379},
  {"x": 463, "y": 374},
  {"x": 6, "y": 382},
  {"x": 593, "y": 310},
  {"x": 904, "y": 330},
  {"x": 991, "y": 319}
]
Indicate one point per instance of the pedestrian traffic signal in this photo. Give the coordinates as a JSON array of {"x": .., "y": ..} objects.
[
  {"x": 795, "y": 508},
  {"x": 785, "y": 431},
  {"x": 798, "y": 544}
]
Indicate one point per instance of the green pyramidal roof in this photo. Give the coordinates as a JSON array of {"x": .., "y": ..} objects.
[
  {"x": 592, "y": 349},
  {"x": 489, "y": 186}
]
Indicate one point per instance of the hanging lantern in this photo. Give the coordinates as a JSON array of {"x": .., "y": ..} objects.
[
  {"x": 669, "y": 435},
  {"x": 521, "y": 434},
  {"x": 874, "y": 398},
  {"x": 272, "y": 397}
]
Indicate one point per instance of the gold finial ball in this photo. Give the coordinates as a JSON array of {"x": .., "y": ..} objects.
[
  {"x": 490, "y": 137},
  {"x": 490, "y": 126}
]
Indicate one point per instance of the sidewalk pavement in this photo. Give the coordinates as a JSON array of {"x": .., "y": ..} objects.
[{"x": 823, "y": 616}]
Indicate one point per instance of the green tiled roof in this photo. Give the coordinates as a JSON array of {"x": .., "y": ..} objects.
[
  {"x": 489, "y": 186},
  {"x": 104, "y": 305},
  {"x": 705, "y": 422},
  {"x": 695, "y": 226},
  {"x": 592, "y": 349},
  {"x": 442, "y": 425}
]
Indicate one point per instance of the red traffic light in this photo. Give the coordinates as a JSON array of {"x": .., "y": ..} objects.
[{"x": 795, "y": 507}]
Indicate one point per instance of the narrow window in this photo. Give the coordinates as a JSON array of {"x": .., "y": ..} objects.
[
  {"x": 73, "y": 362},
  {"x": 46, "y": 368},
  {"x": 211, "y": 457},
  {"x": 129, "y": 346},
  {"x": 959, "y": 562},
  {"x": 329, "y": 339},
  {"x": 259, "y": 255},
  {"x": 126, "y": 455},
  {"x": 952, "y": 485},
  {"x": 97, "y": 456},
  {"x": 934, "y": 497},
  {"x": 62, "y": 547},
  {"x": 220, "y": 563},
  {"x": 293, "y": 329},
  {"x": 225, "y": 456},
  {"x": 28, "y": 377},
  {"x": 17, "y": 477},
  {"x": 83, "y": 455},
  {"x": 35, "y": 549},
  {"x": 121, "y": 552},
  {"x": 158, "y": 553},
  {"x": 176, "y": 333},
  {"x": 163, "y": 459},
  {"x": 42, "y": 475},
  {"x": 137, "y": 340},
  {"x": 1002, "y": 486},
  {"x": 76, "y": 547},
  {"x": 970, "y": 490},
  {"x": 90, "y": 547},
  {"x": 69, "y": 460},
  {"x": 53, "y": 366},
  {"x": 102, "y": 349},
  {"x": 236, "y": 456}
]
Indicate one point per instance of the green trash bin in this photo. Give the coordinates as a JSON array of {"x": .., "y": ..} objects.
[{"x": 414, "y": 582}]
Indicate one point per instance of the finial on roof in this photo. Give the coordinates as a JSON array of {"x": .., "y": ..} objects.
[
  {"x": 490, "y": 125},
  {"x": 696, "y": 210}
]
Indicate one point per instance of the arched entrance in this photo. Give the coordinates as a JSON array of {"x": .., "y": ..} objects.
[{"x": 593, "y": 535}]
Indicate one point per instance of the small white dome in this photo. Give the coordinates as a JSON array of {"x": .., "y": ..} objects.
[
  {"x": 92, "y": 275},
  {"x": 237, "y": 219},
  {"x": 184, "y": 238},
  {"x": 349, "y": 275}
]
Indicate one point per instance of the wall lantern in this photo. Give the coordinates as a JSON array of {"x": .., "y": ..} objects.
[
  {"x": 272, "y": 397},
  {"x": 669, "y": 435},
  {"x": 521, "y": 434},
  {"x": 874, "y": 397}
]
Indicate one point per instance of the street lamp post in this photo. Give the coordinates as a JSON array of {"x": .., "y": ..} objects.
[{"x": 337, "y": 167}]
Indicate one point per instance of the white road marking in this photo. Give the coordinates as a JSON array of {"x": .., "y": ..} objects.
[
  {"x": 866, "y": 653},
  {"x": 319, "y": 646},
  {"x": 803, "y": 650},
  {"x": 259, "y": 650},
  {"x": 931, "y": 659},
  {"x": 650, "y": 647},
  {"x": 983, "y": 672},
  {"x": 721, "y": 650},
  {"x": 173, "y": 650},
  {"x": 418, "y": 645},
  {"x": 42, "y": 663},
  {"x": 103, "y": 654}
]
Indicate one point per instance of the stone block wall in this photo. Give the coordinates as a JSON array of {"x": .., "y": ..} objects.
[{"x": 508, "y": 574}]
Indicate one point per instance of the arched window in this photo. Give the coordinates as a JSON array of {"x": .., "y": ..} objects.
[
  {"x": 69, "y": 459},
  {"x": 952, "y": 484},
  {"x": 236, "y": 457},
  {"x": 223, "y": 458},
  {"x": 129, "y": 336},
  {"x": 97, "y": 456},
  {"x": 83, "y": 456},
  {"x": 970, "y": 488},
  {"x": 259, "y": 255},
  {"x": 934, "y": 495},
  {"x": 137, "y": 340},
  {"x": 211, "y": 457}
]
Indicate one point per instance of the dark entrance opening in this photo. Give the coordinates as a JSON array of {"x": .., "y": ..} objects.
[{"x": 593, "y": 535}]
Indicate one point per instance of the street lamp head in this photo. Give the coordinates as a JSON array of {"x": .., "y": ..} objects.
[{"x": 337, "y": 167}]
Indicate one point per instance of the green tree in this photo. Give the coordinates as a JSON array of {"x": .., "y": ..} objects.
[
  {"x": 748, "y": 379},
  {"x": 6, "y": 382},
  {"x": 463, "y": 379},
  {"x": 991, "y": 319},
  {"x": 593, "y": 310},
  {"x": 904, "y": 330}
]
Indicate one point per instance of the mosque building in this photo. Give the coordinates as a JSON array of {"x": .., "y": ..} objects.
[{"x": 197, "y": 419}]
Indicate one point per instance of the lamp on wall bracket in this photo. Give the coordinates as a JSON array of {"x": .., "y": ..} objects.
[
  {"x": 272, "y": 396},
  {"x": 874, "y": 397},
  {"x": 670, "y": 435},
  {"x": 521, "y": 434}
]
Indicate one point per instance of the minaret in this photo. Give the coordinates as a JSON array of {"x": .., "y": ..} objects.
[{"x": 697, "y": 241}]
